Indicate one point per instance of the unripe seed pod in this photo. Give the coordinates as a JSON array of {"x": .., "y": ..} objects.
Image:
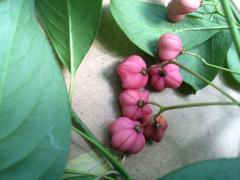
[
  {"x": 167, "y": 76},
  {"x": 134, "y": 103},
  {"x": 132, "y": 72},
  {"x": 170, "y": 46},
  {"x": 127, "y": 136},
  {"x": 154, "y": 129}
]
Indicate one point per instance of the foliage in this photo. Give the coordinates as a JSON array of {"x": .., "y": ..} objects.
[
  {"x": 233, "y": 61},
  {"x": 71, "y": 26},
  {"x": 213, "y": 169},
  {"x": 206, "y": 35},
  {"x": 34, "y": 112},
  {"x": 88, "y": 164}
]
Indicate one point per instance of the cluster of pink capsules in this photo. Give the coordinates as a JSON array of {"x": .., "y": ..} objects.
[
  {"x": 128, "y": 133},
  {"x": 137, "y": 124}
]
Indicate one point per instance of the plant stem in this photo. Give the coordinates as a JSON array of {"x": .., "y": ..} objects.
[
  {"x": 155, "y": 104},
  {"x": 210, "y": 65},
  {"x": 73, "y": 171},
  {"x": 232, "y": 25},
  {"x": 191, "y": 105},
  {"x": 109, "y": 178},
  {"x": 166, "y": 108},
  {"x": 71, "y": 87},
  {"x": 106, "y": 153},
  {"x": 107, "y": 174},
  {"x": 204, "y": 79},
  {"x": 77, "y": 122}
]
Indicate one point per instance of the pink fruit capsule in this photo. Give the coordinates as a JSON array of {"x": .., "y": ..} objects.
[
  {"x": 172, "y": 15},
  {"x": 154, "y": 130},
  {"x": 134, "y": 103},
  {"x": 182, "y": 7},
  {"x": 132, "y": 72},
  {"x": 167, "y": 76},
  {"x": 177, "y": 9},
  {"x": 186, "y": 6},
  {"x": 175, "y": 18},
  {"x": 170, "y": 46},
  {"x": 127, "y": 136}
]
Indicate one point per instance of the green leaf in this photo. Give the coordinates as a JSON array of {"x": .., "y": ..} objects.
[
  {"x": 144, "y": 23},
  {"x": 223, "y": 169},
  {"x": 71, "y": 26},
  {"x": 233, "y": 61},
  {"x": 89, "y": 163},
  {"x": 34, "y": 111},
  {"x": 213, "y": 51}
]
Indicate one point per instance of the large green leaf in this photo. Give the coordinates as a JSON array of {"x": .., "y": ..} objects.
[
  {"x": 223, "y": 169},
  {"x": 89, "y": 164},
  {"x": 71, "y": 26},
  {"x": 234, "y": 61},
  {"x": 34, "y": 114},
  {"x": 144, "y": 23},
  {"x": 214, "y": 51}
]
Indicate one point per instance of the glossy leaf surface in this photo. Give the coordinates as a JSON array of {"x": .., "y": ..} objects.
[
  {"x": 34, "y": 115},
  {"x": 71, "y": 26}
]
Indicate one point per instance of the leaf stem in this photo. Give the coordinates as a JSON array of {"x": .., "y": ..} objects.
[
  {"x": 210, "y": 65},
  {"x": 73, "y": 171},
  {"x": 77, "y": 122},
  {"x": 155, "y": 104},
  {"x": 232, "y": 25},
  {"x": 166, "y": 108},
  {"x": 107, "y": 174},
  {"x": 71, "y": 87},
  {"x": 109, "y": 178},
  {"x": 191, "y": 105},
  {"x": 203, "y": 79},
  {"x": 106, "y": 153}
]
